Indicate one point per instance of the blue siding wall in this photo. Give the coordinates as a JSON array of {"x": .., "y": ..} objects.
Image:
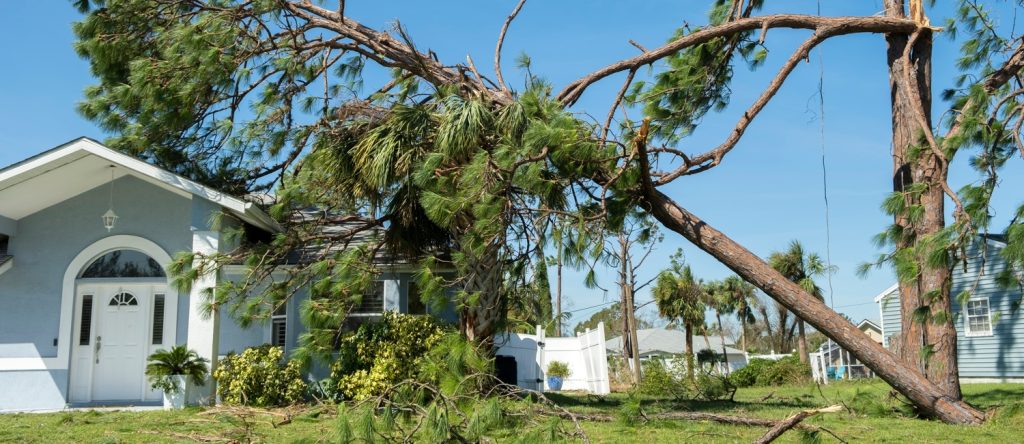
[
  {"x": 47, "y": 241},
  {"x": 44, "y": 246},
  {"x": 1000, "y": 355}
]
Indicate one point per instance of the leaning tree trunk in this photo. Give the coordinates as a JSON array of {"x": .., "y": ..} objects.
[
  {"x": 931, "y": 287},
  {"x": 927, "y": 396},
  {"x": 480, "y": 314}
]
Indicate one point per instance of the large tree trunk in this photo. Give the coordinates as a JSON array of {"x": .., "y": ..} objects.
[
  {"x": 931, "y": 287},
  {"x": 927, "y": 396},
  {"x": 801, "y": 340},
  {"x": 479, "y": 317}
]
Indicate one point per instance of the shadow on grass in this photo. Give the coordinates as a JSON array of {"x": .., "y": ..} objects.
[{"x": 654, "y": 403}]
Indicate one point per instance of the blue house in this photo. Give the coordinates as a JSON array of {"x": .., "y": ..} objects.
[
  {"x": 989, "y": 325},
  {"x": 86, "y": 235}
]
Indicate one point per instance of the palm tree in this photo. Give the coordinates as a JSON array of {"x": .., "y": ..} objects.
[
  {"x": 680, "y": 297},
  {"x": 741, "y": 295},
  {"x": 801, "y": 268},
  {"x": 732, "y": 295}
]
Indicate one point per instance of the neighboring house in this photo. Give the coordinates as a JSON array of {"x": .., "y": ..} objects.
[
  {"x": 663, "y": 343},
  {"x": 833, "y": 361},
  {"x": 990, "y": 332},
  {"x": 870, "y": 328},
  {"x": 84, "y": 305}
]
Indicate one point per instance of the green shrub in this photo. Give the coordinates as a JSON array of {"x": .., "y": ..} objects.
[
  {"x": 659, "y": 380},
  {"x": 378, "y": 355},
  {"x": 764, "y": 372},
  {"x": 788, "y": 370},
  {"x": 259, "y": 377}
]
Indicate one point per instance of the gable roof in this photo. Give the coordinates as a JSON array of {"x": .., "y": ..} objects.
[
  {"x": 671, "y": 342},
  {"x": 887, "y": 292},
  {"x": 997, "y": 240},
  {"x": 82, "y": 164},
  {"x": 869, "y": 323}
]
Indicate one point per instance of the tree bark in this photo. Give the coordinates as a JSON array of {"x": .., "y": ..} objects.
[
  {"x": 629, "y": 307},
  {"x": 927, "y": 396},
  {"x": 931, "y": 288},
  {"x": 479, "y": 318}
]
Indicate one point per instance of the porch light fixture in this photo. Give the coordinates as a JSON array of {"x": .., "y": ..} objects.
[{"x": 110, "y": 217}]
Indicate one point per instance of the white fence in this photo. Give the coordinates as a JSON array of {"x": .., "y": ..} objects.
[
  {"x": 585, "y": 354},
  {"x": 771, "y": 357}
]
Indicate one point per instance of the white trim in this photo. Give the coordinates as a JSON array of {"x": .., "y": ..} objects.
[
  {"x": 881, "y": 326},
  {"x": 6, "y": 265},
  {"x": 972, "y": 380},
  {"x": 885, "y": 293},
  {"x": 67, "y": 301},
  {"x": 966, "y": 318},
  {"x": 204, "y": 328},
  {"x": 246, "y": 210}
]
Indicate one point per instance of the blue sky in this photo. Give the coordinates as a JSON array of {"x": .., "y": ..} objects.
[{"x": 766, "y": 193}]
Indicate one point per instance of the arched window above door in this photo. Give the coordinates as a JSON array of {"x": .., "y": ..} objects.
[
  {"x": 124, "y": 264},
  {"x": 123, "y": 298}
]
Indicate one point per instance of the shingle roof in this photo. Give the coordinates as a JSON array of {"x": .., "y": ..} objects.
[{"x": 671, "y": 342}]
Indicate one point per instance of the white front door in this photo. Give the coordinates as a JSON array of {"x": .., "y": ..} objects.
[
  {"x": 110, "y": 350},
  {"x": 120, "y": 345}
]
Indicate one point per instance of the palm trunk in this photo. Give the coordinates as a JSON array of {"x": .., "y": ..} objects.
[
  {"x": 932, "y": 286},
  {"x": 927, "y": 396},
  {"x": 558, "y": 291},
  {"x": 479, "y": 319},
  {"x": 767, "y": 325},
  {"x": 688, "y": 331},
  {"x": 721, "y": 336},
  {"x": 802, "y": 341}
]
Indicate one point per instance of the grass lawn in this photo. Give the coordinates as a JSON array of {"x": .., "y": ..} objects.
[{"x": 316, "y": 424}]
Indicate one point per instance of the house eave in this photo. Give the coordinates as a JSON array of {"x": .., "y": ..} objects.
[
  {"x": 882, "y": 295},
  {"x": 79, "y": 148}
]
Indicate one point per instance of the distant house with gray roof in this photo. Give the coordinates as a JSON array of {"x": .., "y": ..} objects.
[{"x": 663, "y": 343}]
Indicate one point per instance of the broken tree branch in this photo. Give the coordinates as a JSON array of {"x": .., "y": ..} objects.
[
  {"x": 842, "y": 25},
  {"x": 712, "y": 158},
  {"x": 501, "y": 41},
  {"x": 782, "y": 426}
]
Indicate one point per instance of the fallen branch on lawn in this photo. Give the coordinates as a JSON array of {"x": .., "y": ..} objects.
[
  {"x": 782, "y": 426},
  {"x": 793, "y": 421}
]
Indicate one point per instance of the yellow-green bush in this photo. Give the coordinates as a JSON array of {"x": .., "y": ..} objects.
[
  {"x": 379, "y": 355},
  {"x": 259, "y": 377}
]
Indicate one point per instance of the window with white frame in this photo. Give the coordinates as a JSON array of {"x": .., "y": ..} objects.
[
  {"x": 977, "y": 318},
  {"x": 372, "y": 302},
  {"x": 279, "y": 326}
]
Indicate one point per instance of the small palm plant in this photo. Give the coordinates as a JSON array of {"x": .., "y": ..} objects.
[{"x": 168, "y": 370}]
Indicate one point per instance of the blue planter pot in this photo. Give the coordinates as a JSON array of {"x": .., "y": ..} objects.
[{"x": 555, "y": 383}]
